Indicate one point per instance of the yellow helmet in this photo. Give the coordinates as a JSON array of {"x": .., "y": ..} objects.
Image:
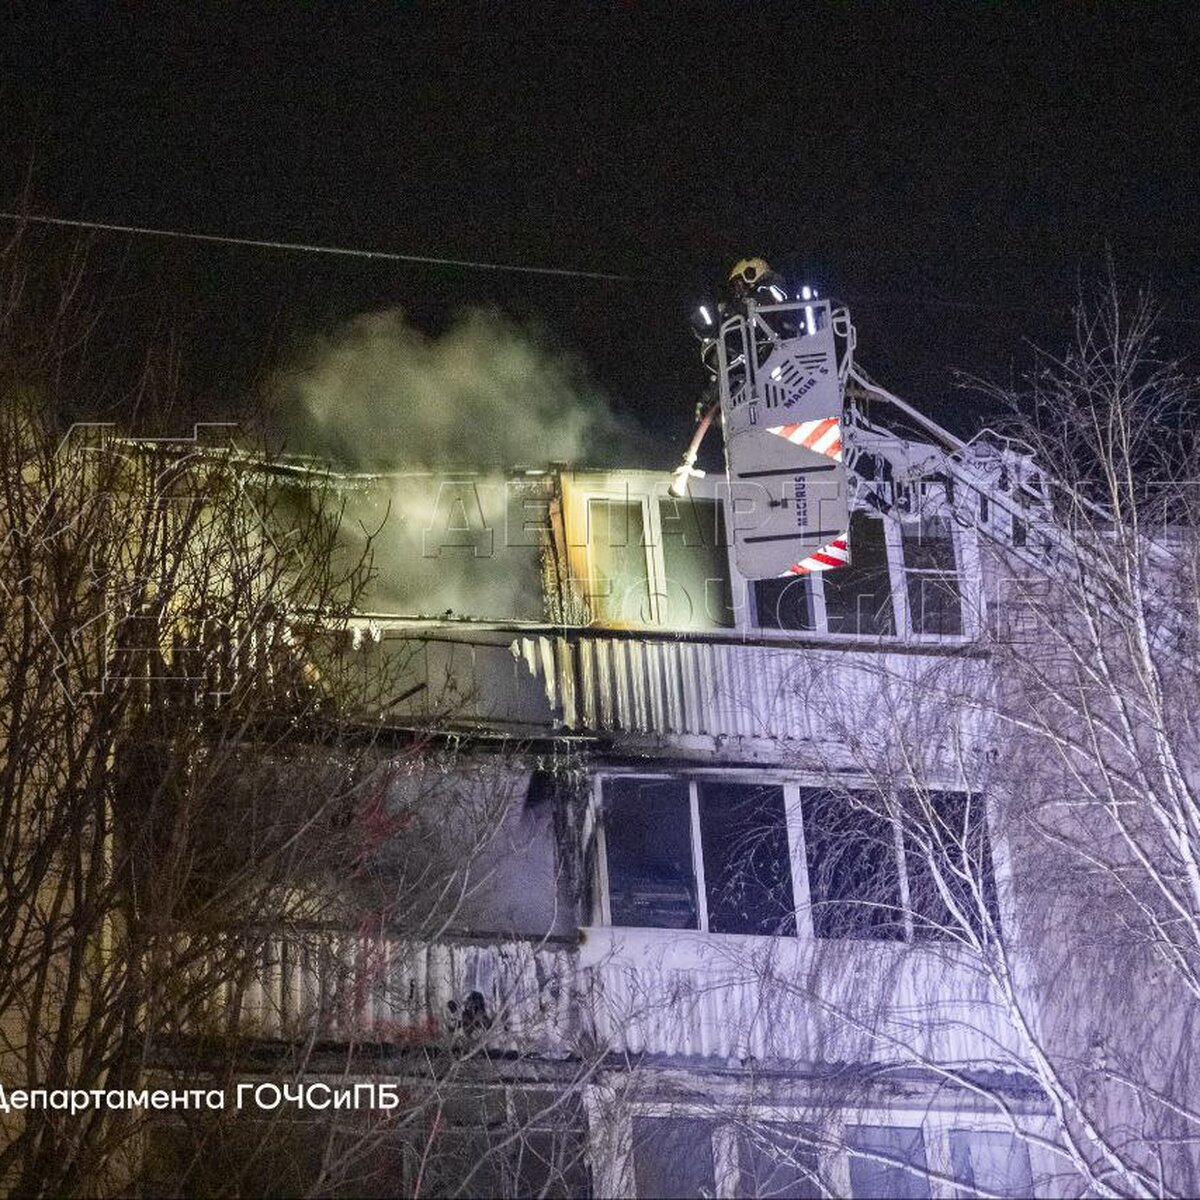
[{"x": 749, "y": 273}]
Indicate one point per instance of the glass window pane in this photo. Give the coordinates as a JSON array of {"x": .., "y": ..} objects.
[
  {"x": 892, "y": 1162},
  {"x": 775, "y": 1161},
  {"x": 990, "y": 1164},
  {"x": 672, "y": 1156},
  {"x": 858, "y": 597},
  {"x": 934, "y": 604},
  {"x": 696, "y": 564},
  {"x": 617, "y": 548},
  {"x": 747, "y": 871},
  {"x": 853, "y": 873},
  {"x": 648, "y": 838},
  {"x": 953, "y": 828},
  {"x": 549, "y": 1163},
  {"x": 934, "y": 598},
  {"x": 784, "y": 603},
  {"x": 928, "y": 544}
]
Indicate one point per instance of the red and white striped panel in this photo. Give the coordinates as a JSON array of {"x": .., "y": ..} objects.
[
  {"x": 836, "y": 554},
  {"x": 823, "y": 436}
]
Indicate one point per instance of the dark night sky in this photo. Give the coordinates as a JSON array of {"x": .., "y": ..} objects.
[{"x": 950, "y": 171}]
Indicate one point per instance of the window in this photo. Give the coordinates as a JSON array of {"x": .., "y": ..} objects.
[
  {"x": 679, "y": 1156},
  {"x": 620, "y": 579},
  {"x": 673, "y": 1156},
  {"x": 785, "y": 603},
  {"x": 502, "y": 1142},
  {"x": 776, "y": 1160},
  {"x": 858, "y": 597},
  {"x": 658, "y": 560},
  {"x": 648, "y": 841},
  {"x": 887, "y": 1161},
  {"x": 747, "y": 872},
  {"x": 752, "y": 1155},
  {"x": 990, "y": 1163},
  {"x": 931, "y": 576},
  {"x": 705, "y": 855},
  {"x": 651, "y": 559},
  {"x": 854, "y": 599},
  {"x": 946, "y": 844},
  {"x": 696, "y": 589},
  {"x": 736, "y": 856},
  {"x": 853, "y": 871}
]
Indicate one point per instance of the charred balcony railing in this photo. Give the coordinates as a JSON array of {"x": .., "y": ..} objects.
[
  {"x": 620, "y": 992},
  {"x": 346, "y": 987},
  {"x": 646, "y": 683}
]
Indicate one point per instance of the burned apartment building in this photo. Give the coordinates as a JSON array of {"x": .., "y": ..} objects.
[
  {"x": 647, "y": 878},
  {"x": 695, "y": 946}
]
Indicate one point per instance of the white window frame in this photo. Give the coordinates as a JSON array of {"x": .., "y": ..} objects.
[
  {"x": 792, "y": 785},
  {"x": 649, "y": 489},
  {"x": 967, "y": 571},
  {"x": 834, "y": 1154},
  {"x": 795, "y": 834}
]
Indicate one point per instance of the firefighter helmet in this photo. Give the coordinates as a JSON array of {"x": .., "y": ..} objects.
[{"x": 749, "y": 274}]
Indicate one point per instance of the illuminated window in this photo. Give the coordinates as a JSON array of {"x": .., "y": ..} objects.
[
  {"x": 620, "y": 590},
  {"x": 659, "y": 561}
]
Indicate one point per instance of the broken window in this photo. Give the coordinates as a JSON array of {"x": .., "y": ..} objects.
[
  {"x": 648, "y": 847},
  {"x": 946, "y": 844},
  {"x": 697, "y": 592},
  {"x": 653, "y": 863},
  {"x": 887, "y": 1161},
  {"x": 673, "y": 1156},
  {"x": 747, "y": 870},
  {"x": 620, "y": 589},
  {"x": 990, "y": 1163},
  {"x": 853, "y": 868},
  {"x": 931, "y": 573}
]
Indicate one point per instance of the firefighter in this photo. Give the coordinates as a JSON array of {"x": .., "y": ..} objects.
[{"x": 753, "y": 279}]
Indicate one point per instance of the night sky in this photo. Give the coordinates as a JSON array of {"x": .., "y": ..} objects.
[{"x": 951, "y": 172}]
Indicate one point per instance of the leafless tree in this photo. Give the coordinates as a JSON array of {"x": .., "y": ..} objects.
[
  {"x": 1073, "y": 738},
  {"x": 199, "y": 795}
]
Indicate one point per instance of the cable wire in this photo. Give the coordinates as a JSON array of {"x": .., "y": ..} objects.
[{"x": 310, "y": 248}]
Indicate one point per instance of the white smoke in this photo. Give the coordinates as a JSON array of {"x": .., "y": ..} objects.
[{"x": 378, "y": 393}]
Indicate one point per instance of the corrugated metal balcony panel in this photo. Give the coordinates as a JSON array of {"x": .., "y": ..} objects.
[
  {"x": 630, "y": 991},
  {"x": 348, "y": 987},
  {"x": 828, "y": 1003},
  {"x": 660, "y": 687}
]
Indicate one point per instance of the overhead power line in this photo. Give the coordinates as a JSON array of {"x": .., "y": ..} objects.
[{"x": 187, "y": 235}]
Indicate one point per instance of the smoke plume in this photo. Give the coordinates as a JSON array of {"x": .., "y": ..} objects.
[{"x": 379, "y": 394}]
